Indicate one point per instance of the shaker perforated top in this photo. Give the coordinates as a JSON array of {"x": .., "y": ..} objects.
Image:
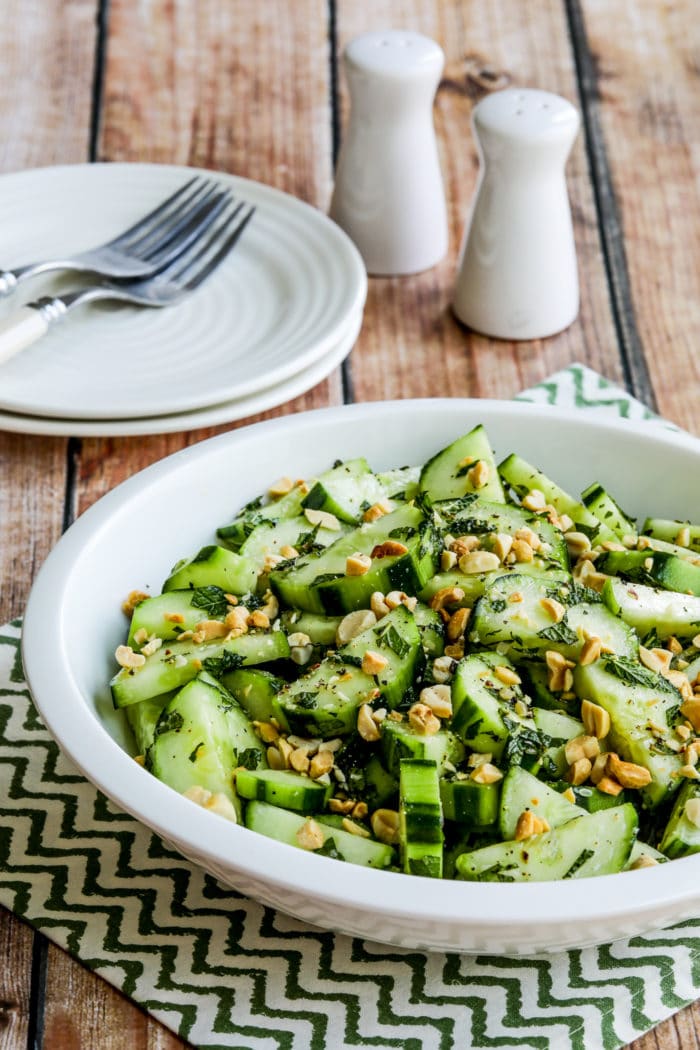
[
  {"x": 395, "y": 54},
  {"x": 526, "y": 114}
]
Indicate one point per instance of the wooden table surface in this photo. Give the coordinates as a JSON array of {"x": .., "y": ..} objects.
[{"x": 253, "y": 87}]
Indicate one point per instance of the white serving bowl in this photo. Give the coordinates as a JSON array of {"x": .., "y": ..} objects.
[{"x": 131, "y": 538}]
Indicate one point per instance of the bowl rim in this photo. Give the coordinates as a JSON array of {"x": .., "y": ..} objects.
[{"x": 393, "y": 895}]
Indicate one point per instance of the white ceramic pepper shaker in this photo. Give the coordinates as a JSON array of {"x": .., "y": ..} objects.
[
  {"x": 388, "y": 193},
  {"x": 517, "y": 277}
]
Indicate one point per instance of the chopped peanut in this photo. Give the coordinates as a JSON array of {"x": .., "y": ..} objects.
[
  {"x": 127, "y": 658},
  {"x": 579, "y": 771},
  {"x": 446, "y": 596},
  {"x": 385, "y": 825},
  {"x": 439, "y": 699},
  {"x": 595, "y": 718},
  {"x": 357, "y": 564},
  {"x": 457, "y": 624},
  {"x": 628, "y": 774},
  {"x": 529, "y": 824},
  {"x": 422, "y": 719},
  {"x": 133, "y": 599},
  {"x": 310, "y": 835},
  {"x": 377, "y": 510},
  {"x": 366, "y": 726},
  {"x": 323, "y": 519},
  {"x": 486, "y": 773},
  {"x": 590, "y": 651},
  {"x": 389, "y": 549},
  {"x": 373, "y": 663},
  {"x": 353, "y": 624},
  {"x": 553, "y": 608},
  {"x": 478, "y": 562},
  {"x": 320, "y": 764}
]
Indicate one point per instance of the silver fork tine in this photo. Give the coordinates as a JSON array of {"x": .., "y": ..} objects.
[
  {"x": 146, "y": 221},
  {"x": 233, "y": 232},
  {"x": 180, "y": 239},
  {"x": 171, "y": 227},
  {"x": 189, "y": 270},
  {"x": 151, "y": 238}
]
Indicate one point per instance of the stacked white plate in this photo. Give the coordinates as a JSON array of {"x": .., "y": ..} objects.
[{"x": 279, "y": 314}]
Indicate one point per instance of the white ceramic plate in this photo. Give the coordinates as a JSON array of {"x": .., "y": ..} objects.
[
  {"x": 130, "y": 540},
  {"x": 274, "y": 307},
  {"x": 202, "y": 417}
]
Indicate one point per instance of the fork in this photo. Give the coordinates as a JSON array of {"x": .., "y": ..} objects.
[
  {"x": 142, "y": 249},
  {"x": 181, "y": 275}
]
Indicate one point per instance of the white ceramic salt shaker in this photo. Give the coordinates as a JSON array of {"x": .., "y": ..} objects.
[
  {"x": 388, "y": 193},
  {"x": 517, "y": 277}
]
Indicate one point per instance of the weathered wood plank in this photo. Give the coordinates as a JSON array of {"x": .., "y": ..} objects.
[
  {"x": 48, "y": 55},
  {"x": 648, "y": 84},
  {"x": 236, "y": 87},
  {"x": 411, "y": 345}
]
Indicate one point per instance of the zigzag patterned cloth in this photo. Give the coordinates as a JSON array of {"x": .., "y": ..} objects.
[{"x": 222, "y": 971}]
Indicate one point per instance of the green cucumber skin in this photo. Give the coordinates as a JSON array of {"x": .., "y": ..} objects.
[
  {"x": 681, "y": 838},
  {"x": 667, "y": 529},
  {"x": 151, "y": 615},
  {"x": 646, "y": 608},
  {"x": 324, "y": 702},
  {"x": 199, "y": 739},
  {"x": 595, "y": 844},
  {"x": 522, "y": 791},
  {"x": 656, "y": 568},
  {"x": 420, "y": 818},
  {"x": 214, "y": 566},
  {"x": 255, "y": 690},
  {"x": 282, "y": 788},
  {"x": 443, "y": 478},
  {"x": 608, "y": 511},
  {"x": 479, "y": 517},
  {"x": 470, "y": 804},
  {"x": 344, "y": 490},
  {"x": 479, "y": 713},
  {"x": 177, "y": 663},
  {"x": 521, "y": 476},
  {"x": 400, "y": 741},
  {"x": 632, "y": 708},
  {"x": 283, "y": 825},
  {"x": 143, "y": 719}
]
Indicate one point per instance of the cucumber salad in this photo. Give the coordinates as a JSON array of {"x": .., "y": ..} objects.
[{"x": 457, "y": 670}]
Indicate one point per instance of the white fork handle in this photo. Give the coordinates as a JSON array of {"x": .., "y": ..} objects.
[{"x": 18, "y": 331}]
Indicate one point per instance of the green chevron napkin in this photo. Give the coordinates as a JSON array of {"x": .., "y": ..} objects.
[{"x": 222, "y": 971}]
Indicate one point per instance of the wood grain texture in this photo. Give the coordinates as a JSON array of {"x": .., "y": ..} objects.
[
  {"x": 48, "y": 52},
  {"x": 411, "y": 345},
  {"x": 649, "y": 90}
]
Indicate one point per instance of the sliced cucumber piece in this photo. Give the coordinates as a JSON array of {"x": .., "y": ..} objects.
[
  {"x": 168, "y": 615},
  {"x": 475, "y": 516},
  {"x": 475, "y": 584},
  {"x": 431, "y": 629},
  {"x": 270, "y": 537},
  {"x": 656, "y": 568},
  {"x": 642, "y": 706},
  {"x": 522, "y": 477},
  {"x": 401, "y": 484},
  {"x": 320, "y": 584},
  {"x": 346, "y": 490},
  {"x": 525, "y": 626},
  {"x": 600, "y": 503},
  {"x": 281, "y": 787},
  {"x": 681, "y": 836},
  {"x": 597, "y": 844},
  {"x": 648, "y": 609},
  {"x": 200, "y": 738},
  {"x": 592, "y": 800},
  {"x": 213, "y": 566},
  {"x": 673, "y": 532},
  {"x": 522, "y": 791},
  {"x": 468, "y": 803},
  {"x": 285, "y": 826},
  {"x": 420, "y": 818},
  {"x": 177, "y": 663},
  {"x": 488, "y": 710},
  {"x": 261, "y": 510},
  {"x": 143, "y": 719},
  {"x": 400, "y": 740},
  {"x": 254, "y": 690},
  {"x": 448, "y": 474},
  {"x": 320, "y": 629},
  {"x": 325, "y": 701}
]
